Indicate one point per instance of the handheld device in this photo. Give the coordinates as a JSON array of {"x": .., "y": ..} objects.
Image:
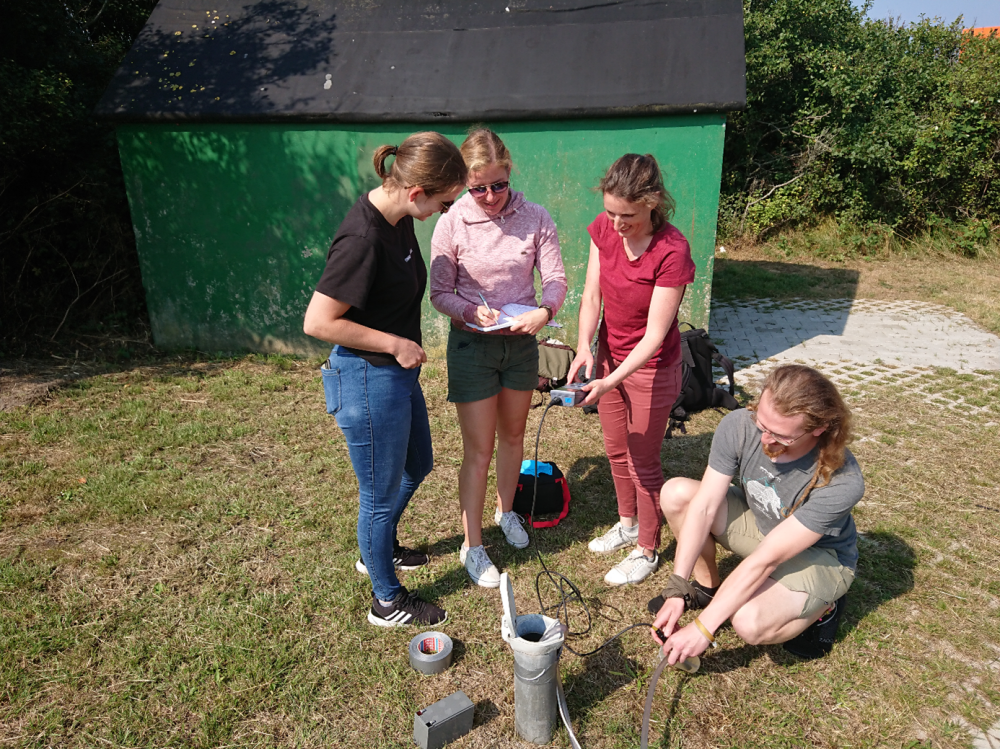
[{"x": 571, "y": 394}]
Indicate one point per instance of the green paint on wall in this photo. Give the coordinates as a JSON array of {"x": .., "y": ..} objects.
[{"x": 233, "y": 222}]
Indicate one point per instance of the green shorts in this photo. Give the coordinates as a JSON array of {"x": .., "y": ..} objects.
[
  {"x": 480, "y": 365},
  {"x": 815, "y": 572}
]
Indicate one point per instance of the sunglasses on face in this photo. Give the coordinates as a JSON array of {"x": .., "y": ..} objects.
[{"x": 496, "y": 187}]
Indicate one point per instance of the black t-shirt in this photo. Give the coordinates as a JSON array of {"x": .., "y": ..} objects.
[{"x": 377, "y": 269}]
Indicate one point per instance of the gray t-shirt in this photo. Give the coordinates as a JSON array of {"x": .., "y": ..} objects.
[{"x": 769, "y": 487}]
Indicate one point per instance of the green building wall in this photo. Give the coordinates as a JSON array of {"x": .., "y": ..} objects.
[{"x": 233, "y": 222}]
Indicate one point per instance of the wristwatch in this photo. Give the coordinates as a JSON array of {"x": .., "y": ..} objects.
[{"x": 548, "y": 309}]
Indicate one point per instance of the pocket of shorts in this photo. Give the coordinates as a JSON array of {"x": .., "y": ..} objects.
[{"x": 331, "y": 388}]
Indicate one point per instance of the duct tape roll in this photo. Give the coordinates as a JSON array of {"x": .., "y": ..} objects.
[{"x": 430, "y": 652}]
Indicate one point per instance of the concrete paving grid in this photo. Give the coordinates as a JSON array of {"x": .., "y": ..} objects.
[{"x": 855, "y": 342}]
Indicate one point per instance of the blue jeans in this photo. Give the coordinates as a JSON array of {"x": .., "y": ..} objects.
[{"x": 383, "y": 416}]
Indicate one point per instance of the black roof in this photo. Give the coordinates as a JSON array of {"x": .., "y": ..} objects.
[{"x": 424, "y": 61}]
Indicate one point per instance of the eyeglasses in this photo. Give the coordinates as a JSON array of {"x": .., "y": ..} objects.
[
  {"x": 779, "y": 438},
  {"x": 496, "y": 187},
  {"x": 446, "y": 204}
]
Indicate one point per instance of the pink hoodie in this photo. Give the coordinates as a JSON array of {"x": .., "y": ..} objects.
[{"x": 472, "y": 253}]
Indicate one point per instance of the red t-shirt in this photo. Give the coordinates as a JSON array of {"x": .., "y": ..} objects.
[{"x": 627, "y": 287}]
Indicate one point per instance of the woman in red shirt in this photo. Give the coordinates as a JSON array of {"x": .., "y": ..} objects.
[{"x": 638, "y": 269}]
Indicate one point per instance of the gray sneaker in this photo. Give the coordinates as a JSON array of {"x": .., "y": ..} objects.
[
  {"x": 616, "y": 538},
  {"x": 513, "y": 528},
  {"x": 480, "y": 568},
  {"x": 633, "y": 568}
]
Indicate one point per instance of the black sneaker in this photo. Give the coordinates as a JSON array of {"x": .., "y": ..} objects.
[
  {"x": 406, "y": 608},
  {"x": 818, "y": 638},
  {"x": 403, "y": 558},
  {"x": 408, "y": 559},
  {"x": 703, "y": 597}
]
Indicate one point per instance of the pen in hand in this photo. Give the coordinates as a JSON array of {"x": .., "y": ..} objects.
[{"x": 496, "y": 320}]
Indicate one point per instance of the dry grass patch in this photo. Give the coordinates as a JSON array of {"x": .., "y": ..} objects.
[
  {"x": 199, "y": 589},
  {"x": 772, "y": 271}
]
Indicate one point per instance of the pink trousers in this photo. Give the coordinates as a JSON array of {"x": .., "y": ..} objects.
[{"x": 634, "y": 418}]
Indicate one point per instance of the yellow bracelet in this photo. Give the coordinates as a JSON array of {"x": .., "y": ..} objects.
[{"x": 704, "y": 631}]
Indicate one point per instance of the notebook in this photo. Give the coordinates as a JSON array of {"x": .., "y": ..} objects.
[{"x": 506, "y": 317}]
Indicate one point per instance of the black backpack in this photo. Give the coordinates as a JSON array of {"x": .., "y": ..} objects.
[
  {"x": 698, "y": 388},
  {"x": 552, "y": 497}
]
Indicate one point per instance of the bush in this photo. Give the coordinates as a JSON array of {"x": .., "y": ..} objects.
[
  {"x": 884, "y": 127},
  {"x": 67, "y": 255}
]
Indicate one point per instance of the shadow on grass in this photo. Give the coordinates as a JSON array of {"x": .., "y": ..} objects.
[
  {"x": 775, "y": 329},
  {"x": 604, "y": 673},
  {"x": 763, "y": 279},
  {"x": 28, "y": 382},
  {"x": 885, "y": 571},
  {"x": 675, "y": 700},
  {"x": 484, "y": 712}
]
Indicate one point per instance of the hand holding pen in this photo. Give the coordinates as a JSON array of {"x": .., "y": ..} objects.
[{"x": 490, "y": 310}]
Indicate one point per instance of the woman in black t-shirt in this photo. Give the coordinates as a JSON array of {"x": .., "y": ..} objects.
[{"x": 367, "y": 303}]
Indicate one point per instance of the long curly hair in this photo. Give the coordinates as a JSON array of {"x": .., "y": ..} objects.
[{"x": 796, "y": 389}]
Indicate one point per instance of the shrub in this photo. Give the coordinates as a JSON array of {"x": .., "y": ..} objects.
[
  {"x": 877, "y": 125},
  {"x": 67, "y": 255}
]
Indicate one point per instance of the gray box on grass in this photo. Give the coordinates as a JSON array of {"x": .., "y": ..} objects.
[{"x": 443, "y": 722}]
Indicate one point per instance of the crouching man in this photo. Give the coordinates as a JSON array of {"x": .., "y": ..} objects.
[{"x": 788, "y": 517}]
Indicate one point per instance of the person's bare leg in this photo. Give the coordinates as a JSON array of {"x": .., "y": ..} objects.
[
  {"x": 478, "y": 421},
  {"x": 675, "y": 498},
  {"x": 772, "y": 615},
  {"x": 511, "y": 418}
]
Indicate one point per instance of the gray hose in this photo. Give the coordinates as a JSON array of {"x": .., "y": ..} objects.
[
  {"x": 644, "y": 740},
  {"x": 564, "y": 714}
]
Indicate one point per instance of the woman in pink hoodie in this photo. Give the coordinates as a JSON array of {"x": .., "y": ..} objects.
[{"x": 484, "y": 254}]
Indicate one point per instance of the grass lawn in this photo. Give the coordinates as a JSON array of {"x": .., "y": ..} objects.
[{"x": 177, "y": 550}]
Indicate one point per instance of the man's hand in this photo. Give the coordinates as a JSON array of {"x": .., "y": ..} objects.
[
  {"x": 684, "y": 643},
  {"x": 667, "y": 617}
]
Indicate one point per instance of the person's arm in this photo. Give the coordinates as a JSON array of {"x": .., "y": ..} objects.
[
  {"x": 788, "y": 539},
  {"x": 444, "y": 276},
  {"x": 325, "y": 320},
  {"x": 698, "y": 524},
  {"x": 548, "y": 261},
  {"x": 663, "y": 307},
  {"x": 590, "y": 314}
]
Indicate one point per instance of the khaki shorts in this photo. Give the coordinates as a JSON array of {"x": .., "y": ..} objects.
[
  {"x": 815, "y": 572},
  {"x": 480, "y": 365}
]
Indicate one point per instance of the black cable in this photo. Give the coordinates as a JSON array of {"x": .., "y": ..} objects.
[{"x": 567, "y": 592}]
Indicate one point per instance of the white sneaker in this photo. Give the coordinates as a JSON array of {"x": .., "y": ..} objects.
[
  {"x": 616, "y": 538},
  {"x": 513, "y": 528},
  {"x": 633, "y": 568},
  {"x": 480, "y": 568}
]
